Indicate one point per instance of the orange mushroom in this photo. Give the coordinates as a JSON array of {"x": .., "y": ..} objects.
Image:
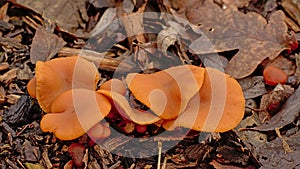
[
  {"x": 273, "y": 76},
  {"x": 123, "y": 107},
  {"x": 115, "y": 85},
  {"x": 75, "y": 112},
  {"x": 166, "y": 92},
  {"x": 58, "y": 75},
  {"x": 218, "y": 107}
]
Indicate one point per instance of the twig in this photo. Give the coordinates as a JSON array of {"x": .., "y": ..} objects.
[
  {"x": 99, "y": 59},
  {"x": 159, "y": 144}
]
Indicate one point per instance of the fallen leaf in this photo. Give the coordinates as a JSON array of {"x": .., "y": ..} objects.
[
  {"x": 229, "y": 29},
  {"x": 255, "y": 138},
  {"x": 230, "y": 155},
  {"x": 34, "y": 166},
  {"x": 68, "y": 15},
  {"x": 44, "y": 45},
  {"x": 271, "y": 103},
  {"x": 103, "y": 3},
  {"x": 253, "y": 86},
  {"x": 237, "y": 3},
  {"x": 217, "y": 165},
  {"x": 166, "y": 38},
  {"x": 284, "y": 64},
  {"x": 273, "y": 155},
  {"x": 288, "y": 113}
]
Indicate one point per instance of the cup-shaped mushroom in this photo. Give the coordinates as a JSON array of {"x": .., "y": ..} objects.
[
  {"x": 61, "y": 74},
  {"x": 115, "y": 85},
  {"x": 75, "y": 112},
  {"x": 218, "y": 107},
  {"x": 121, "y": 104},
  {"x": 167, "y": 92}
]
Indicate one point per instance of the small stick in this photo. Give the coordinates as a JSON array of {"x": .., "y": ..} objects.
[{"x": 159, "y": 144}]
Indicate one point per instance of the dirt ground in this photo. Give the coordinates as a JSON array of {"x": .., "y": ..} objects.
[{"x": 241, "y": 38}]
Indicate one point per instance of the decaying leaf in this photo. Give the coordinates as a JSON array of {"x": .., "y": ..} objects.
[
  {"x": 253, "y": 86},
  {"x": 273, "y": 155},
  {"x": 103, "y": 3},
  {"x": 166, "y": 38},
  {"x": 45, "y": 45},
  {"x": 68, "y": 15},
  {"x": 255, "y": 138},
  {"x": 237, "y": 3},
  {"x": 284, "y": 64},
  {"x": 230, "y": 29},
  {"x": 288, "y": 113},
  {"x": 217, "y": 165},
  {"x": 34, "y": 166},
  {"x": 271, "y": 102}
]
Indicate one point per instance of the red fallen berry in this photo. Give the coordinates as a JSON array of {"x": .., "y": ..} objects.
[
  {"x": 76, "y": 150},
  {"x": 141, "y": 128},
  {"x": 273, "y": 76}
]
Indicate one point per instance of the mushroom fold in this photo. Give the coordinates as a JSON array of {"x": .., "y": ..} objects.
[
  {"x": 75, "y": 112},
  {"x": 166, "y": 92},
  {"x": 218, "y": 107},
  {"x": 61, "y": 74}
]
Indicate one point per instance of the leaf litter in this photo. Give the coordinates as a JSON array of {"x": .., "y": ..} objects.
[{"x": 253, "y": 37}]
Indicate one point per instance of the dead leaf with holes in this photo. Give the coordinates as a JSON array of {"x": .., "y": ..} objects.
[
  {"x": 253, "y": 86},
  {"x": 287, "y": 115},
  {"x": 229, "y": 29}
]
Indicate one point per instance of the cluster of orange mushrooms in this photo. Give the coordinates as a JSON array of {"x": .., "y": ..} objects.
[{"x": 202, "y": 99}]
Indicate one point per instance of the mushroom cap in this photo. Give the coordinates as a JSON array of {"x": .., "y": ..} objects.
[
  {"x": 115, "y": 85},
  {"x": 273, "y": 76},
  {"x": 61, "y": 74},
  {"x": 167, "y": 92},
  {"x": 31, "y": 87},
  {"x": 123, "y": 107},
  {"x": 74, "y": 112},
  {"x": 218, "y": 107}
]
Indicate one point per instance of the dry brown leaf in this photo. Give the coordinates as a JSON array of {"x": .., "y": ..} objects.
[
  {"x": 289, "y": 112},
  {"x": 285, "y": 64},
  {"x": 44, "y": 45},
  {"x": 217, "y": 165},
  {"x": 237, "y": 3},
  {"x": 230, "y": 29},
  {"x": 103, "y": 3},
  {"x": 273, "y": 155},
  {"x": 253, "y": 86},
  {"x": 69, "y": 15}
]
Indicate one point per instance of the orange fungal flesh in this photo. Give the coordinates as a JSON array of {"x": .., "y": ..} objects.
[
  {"x": 123, "y": 107},
  {"x": 115, "y": 85},
  {"x": 166, "y": 92},
  {"x": 31, "y": 87},
  {"x": 273, "y": 76},
  {"x": 74, "y": 112},
  {"x": 218, "y": 107},
  {"x": 58, "y": 75}
]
